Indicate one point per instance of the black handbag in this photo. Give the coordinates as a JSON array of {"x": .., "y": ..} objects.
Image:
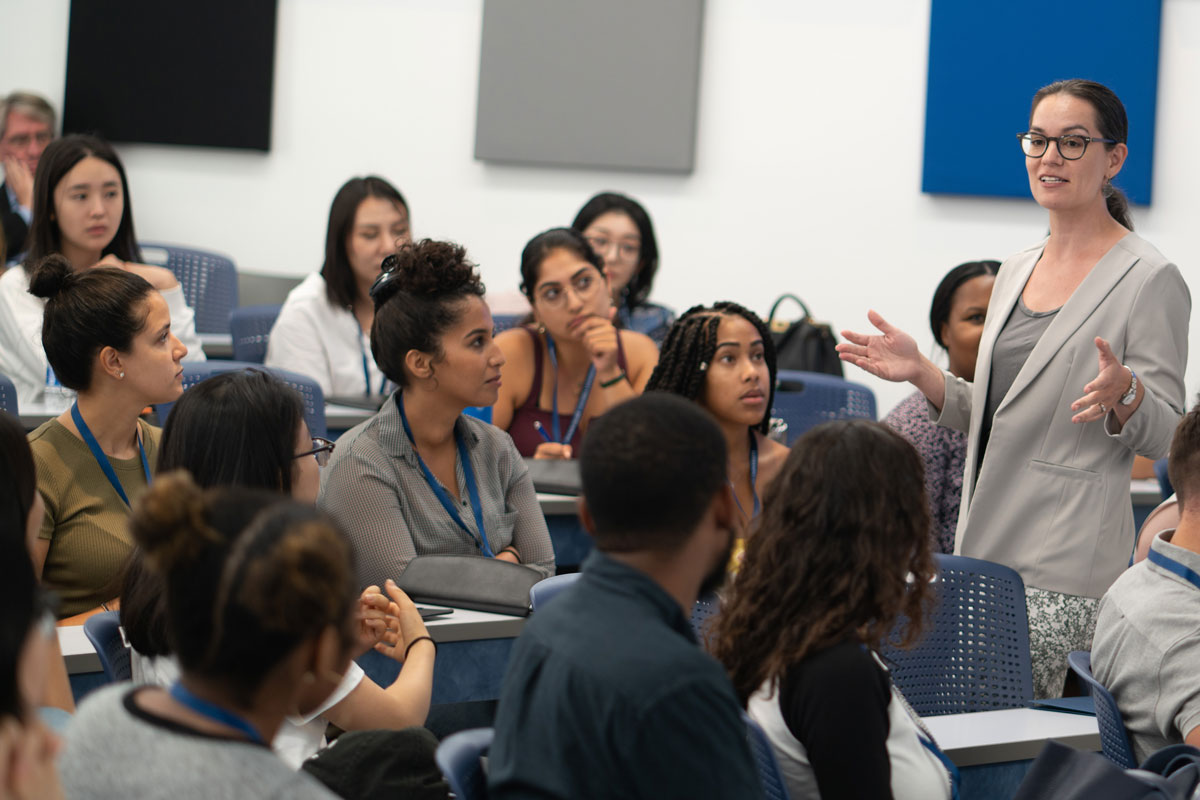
[
  {"x": 804, "y": 344},
  {"x": 475, "y": 582},
  {"x": 1063, "y": 773}
]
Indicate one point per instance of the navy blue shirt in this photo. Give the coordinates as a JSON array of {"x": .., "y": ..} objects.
[{"x": 608, "y": 695}]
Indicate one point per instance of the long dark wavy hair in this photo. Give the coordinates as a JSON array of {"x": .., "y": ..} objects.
[
  {"x": 689, "y": 348},
  {"x": 844, "y": 526}
]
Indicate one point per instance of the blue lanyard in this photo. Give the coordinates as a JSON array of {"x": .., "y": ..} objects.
[
  {"x": 362, "y": 351},
  {"x": 1171, "y": 565},
  {"x": 102, "y": 459},
  {"x": 214, "y": 712},
  {"x": 441, "y": 494},
  {"x": 583, "y": 396},
  {"x": 753, "y": 479},
  {"x": 951, "y": 769}
]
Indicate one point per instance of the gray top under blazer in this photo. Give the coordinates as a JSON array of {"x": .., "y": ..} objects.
[{"x": 1051, "y": 499}]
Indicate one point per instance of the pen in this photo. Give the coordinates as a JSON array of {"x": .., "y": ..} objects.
[{"x": 538, "y": 427}]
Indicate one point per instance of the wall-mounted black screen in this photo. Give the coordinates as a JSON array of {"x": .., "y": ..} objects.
[{"x": 189, "y": 73}]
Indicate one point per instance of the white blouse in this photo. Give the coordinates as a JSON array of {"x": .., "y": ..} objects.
[{"x": 318, "y": 339}]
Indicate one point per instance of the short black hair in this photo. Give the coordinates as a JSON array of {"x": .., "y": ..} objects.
[
  {"x": 650, "y": 469},
  {"x": 417, "y": 299},
  {"x": 341, "y": 286},
  {"x": 638, "y": 290},
  {"x": 943, "y": 296},
  {"x": 1183, "y": 466},
  {"x": 234, "y": 429},
  {"x": 86, "y": 312}
]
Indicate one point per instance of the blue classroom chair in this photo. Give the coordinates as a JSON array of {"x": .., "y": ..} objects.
[
  {"x": 250, "y": 331},
  {"x": 310, "y": 390},
  {"x": 459, "y": 756},
  {"x": 1114, "y": 739},
  {"x": 547, "y": 589},
  {"x": 8, "y": 396},
  {"x": 819, "y": 398},
  {"x": 973, "y": 654},
  {"x": 104, "y": 632},
  {"x": 764, "y": 758},
  {"x": 209, "y": 281}
]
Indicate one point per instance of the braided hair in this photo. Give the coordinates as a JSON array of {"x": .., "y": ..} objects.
[{"x": 689, "y": 348}]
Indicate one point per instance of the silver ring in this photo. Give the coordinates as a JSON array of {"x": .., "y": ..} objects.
[{"x": 1103, "y": 410}]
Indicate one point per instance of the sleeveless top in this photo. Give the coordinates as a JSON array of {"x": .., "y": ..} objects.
[{"x": 521, "y": 429}]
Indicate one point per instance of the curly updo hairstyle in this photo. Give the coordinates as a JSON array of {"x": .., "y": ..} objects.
[
  {"x": 843, "y": 526},
  {"x": 689, "y": 349},
  {"x": 249, "y": 575},
  {"x": 417, "y": 298},
  {"x": 86, "y": 312}
]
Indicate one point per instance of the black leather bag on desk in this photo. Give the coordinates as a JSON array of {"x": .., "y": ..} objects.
[
  {"x": 1063, "y": 773},
  {"x": 475, "y": 582},
  {"x": 555, "y": 476},
  {"x": 804, "y": 344}
]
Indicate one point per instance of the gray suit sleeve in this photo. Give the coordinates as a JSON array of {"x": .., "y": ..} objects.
[
  {"x": 1156, "y": 349},
  {"x": 956, "y": 409}
]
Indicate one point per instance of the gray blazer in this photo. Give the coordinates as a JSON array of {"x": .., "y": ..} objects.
[{"x": 1052, "y": 497}]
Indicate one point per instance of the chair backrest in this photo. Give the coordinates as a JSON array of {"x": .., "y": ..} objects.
[
  {"x": 209, "y": 280},
  {"x": 705, "y": 610},
  {"x": 1114, "y": 739},
  {"x": 309, "y": 389},
  {"x": 547, "y": 589},
  {"x": 764, "y": 758},
  {"x": 103, "y": 630},
  {"x": 459, "y": 757},
  {"x": 502, "y": 322},
  {"x": 823, "y": 398},
  {"x": 250, "y": 330},
  {"x": 8, "y": 396},
  {"x": 973, "y": 654}
]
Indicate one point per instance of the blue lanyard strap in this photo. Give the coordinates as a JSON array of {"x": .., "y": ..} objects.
[
  {"x": 1171, "y": 565},
  {"x": 214, "y": 712},
  {"x": 579, "y": 406},
  {"x": 753, "y": 479},
  {"x": 951, "y": 769},
  {"x": 443, "y": 497},
  {"x": 102, "y": 459}
]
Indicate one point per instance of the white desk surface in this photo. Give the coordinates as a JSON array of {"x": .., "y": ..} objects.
[
  {"x": 460, "y": 626},
  {"x": 557, "y": 504},
  {"x": 1015, "y": 734}
]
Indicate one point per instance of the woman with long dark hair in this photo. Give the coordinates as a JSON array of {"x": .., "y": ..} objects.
[
  {"x": 841, "y": 552},
  {"x": 81, "y": 211}
]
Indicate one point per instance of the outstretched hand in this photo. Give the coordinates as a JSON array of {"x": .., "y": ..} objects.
[
  {"x": 892, "y": 356},
  {"x": 1106, "y": 389}
]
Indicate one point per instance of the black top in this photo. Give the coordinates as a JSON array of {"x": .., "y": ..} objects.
[
  {"x": 835, "y": 702},
  {"x": 607, "y": 695},
  {"x": 15, "y": 228}
]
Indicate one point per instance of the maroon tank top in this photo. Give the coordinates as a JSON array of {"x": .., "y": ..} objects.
[{"x": 521, "y": 429}]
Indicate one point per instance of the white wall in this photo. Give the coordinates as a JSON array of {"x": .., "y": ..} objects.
[{"x": 807, "y": 171}]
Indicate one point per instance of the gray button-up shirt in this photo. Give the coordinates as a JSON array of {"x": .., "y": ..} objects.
[{"x": 376, "y": 491}]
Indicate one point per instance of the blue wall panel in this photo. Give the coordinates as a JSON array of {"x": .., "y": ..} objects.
[{"x": 988, "y": 58}]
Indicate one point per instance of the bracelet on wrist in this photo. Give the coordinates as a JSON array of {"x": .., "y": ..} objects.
[
  {"x": 420, "y": 639},
  {"x": 609, "y": 384}
]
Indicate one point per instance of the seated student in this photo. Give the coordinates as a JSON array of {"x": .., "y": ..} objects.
[
  {"x": 107, "y": 335},
  {"x": 21, "y": 514},
  {"x": 956, "y": 317},
  {"x": 260, "y": 603},
  {"x": 841, "y": 551},
  {"x": 419, "y": 477},
  {"x": 1147, "y": 641},
  {"x": 82, "y": 211},
  {"x": 607, "y": 693},
  {"x": 620, "y": 231},
  {"x": 247, "y": 429},
  {"x": 592, "y": 365},
  {"x": 724, "y": 359},
  {"x": 324, "y": 326}
]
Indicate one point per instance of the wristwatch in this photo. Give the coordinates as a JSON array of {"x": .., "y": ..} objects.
[{"x": 1128, "y": 398}]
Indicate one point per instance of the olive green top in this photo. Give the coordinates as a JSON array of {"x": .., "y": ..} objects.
[{"x": 87, "y": 523}]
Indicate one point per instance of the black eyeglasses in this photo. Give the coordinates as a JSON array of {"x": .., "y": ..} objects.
[
  {"x": 389, "y": 271},
  {"x": 1071, "y": 146},
  {"x": 322, "y": 450}
]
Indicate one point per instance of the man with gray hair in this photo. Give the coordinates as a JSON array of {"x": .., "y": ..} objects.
[{"x": 26, "y": 127}]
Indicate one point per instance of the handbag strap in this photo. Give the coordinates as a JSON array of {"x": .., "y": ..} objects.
[{"x": 780, "y": 299}]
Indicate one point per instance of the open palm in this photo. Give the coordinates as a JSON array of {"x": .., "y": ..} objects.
[{"x": 892, "y": 354}]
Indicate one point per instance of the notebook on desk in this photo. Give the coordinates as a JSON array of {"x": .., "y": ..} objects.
[
  {"x": 366, "y": 402},
  {"x": 1067, "y": 705},
  {"x": 430, "y": 612}
]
